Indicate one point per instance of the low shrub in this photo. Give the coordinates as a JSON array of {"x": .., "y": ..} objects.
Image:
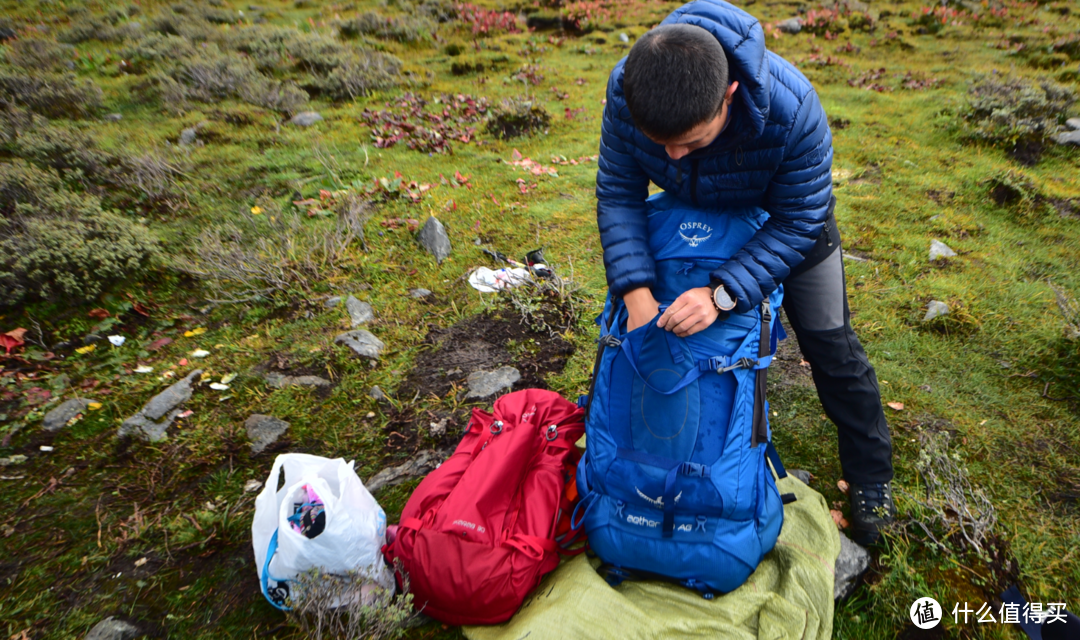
[
  {"x": 73, "y": 153},
  {"x": 485, "y": 21},
  {"x": 516, "y": 117},
  {"x": 93, "y": 29},
  {"x": 56, "y": 244},
  {"x": 282, "y": 96},
  {"x": 180, "y": 25},
  {"x": 51, "y": 95},
  {"x": 215, "y": 76},
  {"x": 1016, "y": 113},
  {"x": 360, "y": 74},
  {"x": 153, "y": 175},
  {"x": 38, "y": 55},
  {"x": 404, "y": 29},
  {"x": 154, "y": 48},
  {"x": 1017, "y": 191}
]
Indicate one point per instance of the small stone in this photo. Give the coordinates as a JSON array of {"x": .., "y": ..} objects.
[
  {"x": 187, "y": 136},
  {"x": 359, "y": 312},
  {"x": 13, "y": 460},
  {"x": 791, "y": 25},
  {"x": 939, "y": 249},
  {"x": 935, "y": 309},
  {"x": 155, "y": 418},
  {"x": 306, "y": 118},
  {"x": 802, "y": 475},
  {"x": 1073, "y": 123},
  {"x": 332, "y": 302},
  {"x": 422, "y": 464},
  {"x": 433, "y": 237},
  {"x": 1068, "y": 137},
  {"x": 113, "y": 629},
  {"x": 362, "y": 342},
  {"x": 624, "y": 38},
  {"x": 486, "y": 383},
  {"x": 437, "y": 429},
  {"x": 113, "y": 117},
  {"x": 852, "y": 562},
  {"x": 252, "y": 485},
  {"x": 7, "y": 33},
  {"x": 58, "y": 418},
  {"x": 419, "y": 293},
  {"x": 378, "y": 394},
  {"x": 280, "y": 381},
  {"x": 263, "y": 431}
]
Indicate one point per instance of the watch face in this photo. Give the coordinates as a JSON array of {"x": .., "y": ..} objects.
[{"x": 722, "y": 299}]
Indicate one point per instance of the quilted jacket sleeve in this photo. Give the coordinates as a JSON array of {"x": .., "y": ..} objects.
[
  {"x": 797, "y": 200},
  {"x": 621, "y": 190}
]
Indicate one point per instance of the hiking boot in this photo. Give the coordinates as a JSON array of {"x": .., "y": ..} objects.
[{"x": 872, "y": 509}]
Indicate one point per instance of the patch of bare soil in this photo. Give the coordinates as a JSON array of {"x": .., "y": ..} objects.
[
  {"x": 788, "y": 368},
  {"x": 480, "y": 343}
]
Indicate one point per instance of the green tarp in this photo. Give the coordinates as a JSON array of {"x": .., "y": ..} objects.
[{"x": 789, "y": 596}]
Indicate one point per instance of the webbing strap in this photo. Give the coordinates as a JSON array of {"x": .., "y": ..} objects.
[
  {"x": 266, "y": 577},
  {"x": 760, "y": 431},
  {"x": 692, "y": 469},
  {"x": 669, "y": 503},
  {"x": 774, "y": 458}
]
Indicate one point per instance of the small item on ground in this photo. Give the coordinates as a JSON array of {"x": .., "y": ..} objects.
[
  {"x": 280, "y": 381},
  {"x": 434, "y": 238},
  {"x": 852, "y": 562},
  {"x": 200, "y": 353},
  {"x": 362, "y": 342},
  {"x": 63, "y": 414},
  {"x": 252, "y": 485},
  {"x": 45, "y": 448},
  {"x": 1071, "y": 138},
  {"x": 112, "y": 629},
  {"x": 264, "y": 431},
  {"x": 483, "y": 384},
  {"x": 486, "y": 280},
  {"x": 935, "y": 309},
  {"x": 155, "y": 418},
  {"x": 791, "y": 25},
  {"x": 332, "y": 302},
  {"x": 419, "y": 293},
  {"x": 18, "y": 458},
  {"x": 117, "y": 341},
  {"x": 421, "y": 465},
  {"x": 306, "y": 118},
  {"x": 939, "y": 249},
  {"x": 377, "y": 393},
  {"x": 359, "y": 311},
  {"x": 895, "y": 406},
  {"x": 142, "y": 368}
]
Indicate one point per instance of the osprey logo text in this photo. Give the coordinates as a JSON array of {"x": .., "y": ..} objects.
[
  {"x": 694, "y": 240},
  {"x": 643, "y": 521}
]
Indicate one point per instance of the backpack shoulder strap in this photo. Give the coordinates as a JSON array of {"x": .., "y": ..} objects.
[{"x": 760, "y": 431}]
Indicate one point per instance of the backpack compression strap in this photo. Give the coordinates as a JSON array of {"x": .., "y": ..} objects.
[{"x": 760, "y": 431}]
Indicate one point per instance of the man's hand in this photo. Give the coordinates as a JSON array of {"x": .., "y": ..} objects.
[
  {"x": 641, "y": 307},
  {"x": 691, "y": 312}
]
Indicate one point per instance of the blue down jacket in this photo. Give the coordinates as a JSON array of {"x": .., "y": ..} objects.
[{"x": 775, "y": 153}]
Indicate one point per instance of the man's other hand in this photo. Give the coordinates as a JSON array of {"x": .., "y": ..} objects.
[
  {"x": 691, "y": 312},
  {"x": 641, "y": 307}
]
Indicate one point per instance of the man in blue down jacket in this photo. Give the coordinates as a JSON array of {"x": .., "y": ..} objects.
[{"x": 701, "y": 109}]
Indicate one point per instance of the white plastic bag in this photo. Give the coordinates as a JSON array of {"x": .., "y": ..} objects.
[{"x": 351, "y": 541}]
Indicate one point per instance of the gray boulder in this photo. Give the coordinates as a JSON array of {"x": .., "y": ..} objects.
[
  {"x": 155, "y": 418},
  {"x": 57, "y": 419},
  {"x": 791, "y": 25},
  {"x": 306, "y": 118},
  {"x": 424, "y": 463},
  {"x": 852, "y": 562},
  {"x": 280, "y": 381},
  {"x": 1068, "y": 137},
  {"x": 434, "y": 238},
  {"x": 802, "y": 475},
  {"x": 113, "y": 629},
  {"x": 935, "y": 309},
  {"x": 939, "y": 249},
  {"x": 263, "y": 431},
  {"x": 360, "y": 312},
  {"x": 486, "y": 383},
  {"x": 362, "y": 342}
]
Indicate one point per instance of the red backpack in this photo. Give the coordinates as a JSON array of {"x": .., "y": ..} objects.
[{"x": 480, "y": 531}]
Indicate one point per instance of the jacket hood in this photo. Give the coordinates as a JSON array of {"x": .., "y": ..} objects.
[{"x": 743, "y": 39}]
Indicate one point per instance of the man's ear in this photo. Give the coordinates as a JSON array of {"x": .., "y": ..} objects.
[{"x": 730, "y": 93}]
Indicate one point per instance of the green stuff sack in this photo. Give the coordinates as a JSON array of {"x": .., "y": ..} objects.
[{"x": 790, "y": 595}]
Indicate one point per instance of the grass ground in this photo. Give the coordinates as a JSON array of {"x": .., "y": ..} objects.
[{"x": 159, "y": 533}]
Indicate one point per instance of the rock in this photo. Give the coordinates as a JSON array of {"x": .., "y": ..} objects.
[
  {"x": 306, "y": 118},
  {"x": 934, "y": 309},
  {"x": 802, "y": 475},
  {"x": 378, "y": 394},
  {"x": 155, "y": 418},
  {"x": 791, "y": 25},
  {"x": 359, "y": 312},
  {"x": 424, "y": 463},
  {"x": 624, "y": 38},
  {"x": 263, "y": 431},
  {"x": 1073, "y": 123},
  {"x": 332, "y": 302},
  {"x": 485, "y": 383},
  {"x": 852, "y": 563},
  {"x": 419, "y": 293},
  {"x": 939, "y": 249},
  {"x": 433, "y": 238},
  {"x": 1068, "y": 137},
  {"x": 58, "y": 418},
  {"x": 280, "y": 381},
  {"x": 362, "y": 342},
  {"x": 113, "y": 117},
  {"x": 437, "y": 429},
  {"x": 113, "y": 629},
  {"x": 187, "y": 136},
  {"x": 7, "y": 33}
]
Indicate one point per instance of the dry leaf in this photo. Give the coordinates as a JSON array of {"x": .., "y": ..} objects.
[
  {"x": 896, "y": 406},
  {"x": 839, "y": 519},
  {"x": 140, "y": 562},
  {"x": 87, "y": 349},
  {"x": 842, "y": 485}
]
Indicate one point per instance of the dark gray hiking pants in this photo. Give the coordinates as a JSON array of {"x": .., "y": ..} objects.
[{"x": 815, "y": 302}]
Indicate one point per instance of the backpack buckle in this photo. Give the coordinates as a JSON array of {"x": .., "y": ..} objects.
[
  {"x": 552, "y": 433},
  {"x": 496, "y": 427}
]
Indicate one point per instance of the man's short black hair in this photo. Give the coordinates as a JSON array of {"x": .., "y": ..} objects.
[{"x": 675, "y": 79}]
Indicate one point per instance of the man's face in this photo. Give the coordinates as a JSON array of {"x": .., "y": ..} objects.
[{"x": 701, "y": 135}]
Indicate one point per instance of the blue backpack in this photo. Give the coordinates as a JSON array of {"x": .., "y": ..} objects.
[{"x": 674, "y": 482}]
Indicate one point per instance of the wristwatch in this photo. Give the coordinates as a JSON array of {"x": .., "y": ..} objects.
[{"x": 720, "y": 296}]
